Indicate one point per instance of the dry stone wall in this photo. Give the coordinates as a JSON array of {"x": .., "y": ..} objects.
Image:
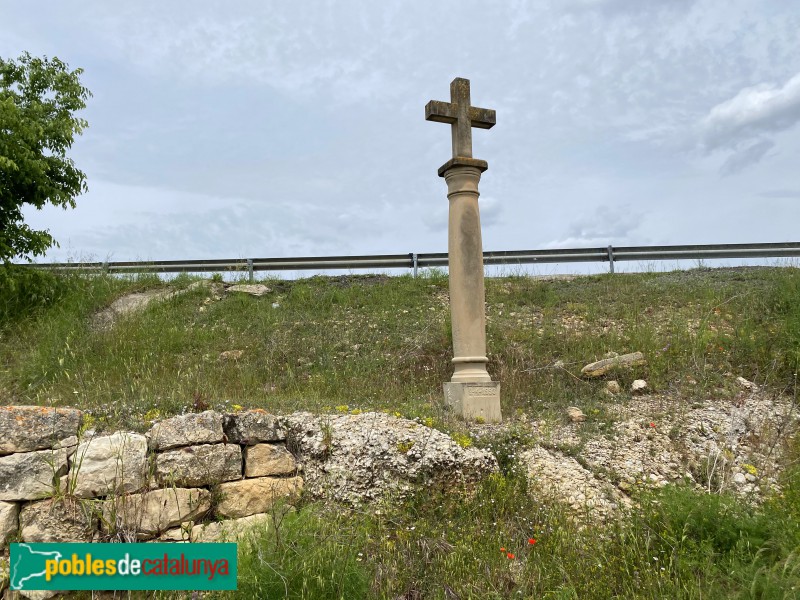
[{"x": 174, "y": 483}]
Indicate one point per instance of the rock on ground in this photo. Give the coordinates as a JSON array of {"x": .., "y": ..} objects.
[
  {"x": 137, "y": 302},
  {"x": 360, "y": 458},
  {"x": 601, "y": 367},
  {"x": 254, "y": 289}
]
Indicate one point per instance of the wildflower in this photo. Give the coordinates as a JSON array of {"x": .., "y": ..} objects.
[
  {"x": 237, "y": 407},
  {"x": 531, "y": 541},
  {"x": 502, "y": 549},
  {"x": 510, "y": 556},
  {"x": 652, "y": 424}
]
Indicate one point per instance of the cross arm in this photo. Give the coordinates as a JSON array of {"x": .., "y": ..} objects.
[
  {"x": 441, "y": 112},
  {"x": 482, "y": 118},
  {"x": 446, "y": 112}
]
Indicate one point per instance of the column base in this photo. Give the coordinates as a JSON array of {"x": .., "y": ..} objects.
[{"x": 474, "y": 400}]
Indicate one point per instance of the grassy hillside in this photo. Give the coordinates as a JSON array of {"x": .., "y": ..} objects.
[
  {"x": 377, "y": 343},
  {"x": 373, "y": 342}
]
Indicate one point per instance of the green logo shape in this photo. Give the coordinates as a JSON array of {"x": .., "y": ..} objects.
[{"x": 100, "y": 566}]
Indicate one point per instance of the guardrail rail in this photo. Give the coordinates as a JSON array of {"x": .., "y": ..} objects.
[{"x": 416, "y": 261}]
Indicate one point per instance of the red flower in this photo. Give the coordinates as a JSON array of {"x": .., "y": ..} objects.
[
  {"x": 502, "y": 549},
  {"x": 510, "y": 556},
  {"x": 531, "y": 541},
  {"x": 652, "y": 424}
]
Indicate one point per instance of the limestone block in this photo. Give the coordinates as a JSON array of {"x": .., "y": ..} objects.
[
  {"x": 474, "y": 400},
  {"x": 147, "y": 514},
  {"x": 30, "y": 475},
  {"x": 110, "y": 463},
  {"x": 639, "y": 386},
  {"x": 250, "y": 496},
  {"x": 230, "y": 530},
  {"x": 9, "y": 521},
  {"x": 263, "y": 460},
  {"x": 601, "y": 367},
  {"x": 29, "y": 428},
  {"x": 195, "y": 466},
  {"x": 57, "y": 520},
  {"x": 185, "y": 430},
  {"x": 254, "y": 426}
]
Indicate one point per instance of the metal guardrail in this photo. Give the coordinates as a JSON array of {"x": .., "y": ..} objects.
[{"x": 415, "y": 261}]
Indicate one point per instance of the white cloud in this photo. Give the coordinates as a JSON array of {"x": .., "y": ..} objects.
[
  {"x": 753, "y": 112},
  {"x": 746, "y": 157}
]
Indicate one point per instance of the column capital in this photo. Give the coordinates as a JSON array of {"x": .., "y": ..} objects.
[{"x": 463, "y": 161}]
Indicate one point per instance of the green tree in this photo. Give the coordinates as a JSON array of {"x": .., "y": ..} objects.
[{"x": 38, "y": 101}]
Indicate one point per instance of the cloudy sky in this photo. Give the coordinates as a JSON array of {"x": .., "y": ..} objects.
[{"x": 274, "y": 128}]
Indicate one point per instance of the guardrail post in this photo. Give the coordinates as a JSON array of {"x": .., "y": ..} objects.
[
  {"x": 415, "y": 261},
  {"x": 611, "y": 258},
  {"x": 250, "y": 269}
]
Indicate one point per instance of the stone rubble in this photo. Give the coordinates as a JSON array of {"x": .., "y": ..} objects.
[
  {"x": 361, "y": 458},
  {"x": 721, "y": 444},
  {"x": 565, "y": 479}
]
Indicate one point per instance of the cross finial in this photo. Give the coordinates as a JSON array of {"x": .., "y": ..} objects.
[{"x": 461, "y": 116}]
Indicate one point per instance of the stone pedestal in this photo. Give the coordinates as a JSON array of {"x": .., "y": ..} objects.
[{"x": 474, "y": 400}]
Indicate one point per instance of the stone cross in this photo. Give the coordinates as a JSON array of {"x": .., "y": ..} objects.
[
  {"x": 461, "y": 116},
  {"x": 470, "y": 392}
]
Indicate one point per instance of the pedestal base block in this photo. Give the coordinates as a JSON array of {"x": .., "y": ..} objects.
[{"x": 474, "y": 400}]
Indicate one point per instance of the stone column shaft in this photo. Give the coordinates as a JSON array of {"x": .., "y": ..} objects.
[{"x": 467, "y": 295}]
